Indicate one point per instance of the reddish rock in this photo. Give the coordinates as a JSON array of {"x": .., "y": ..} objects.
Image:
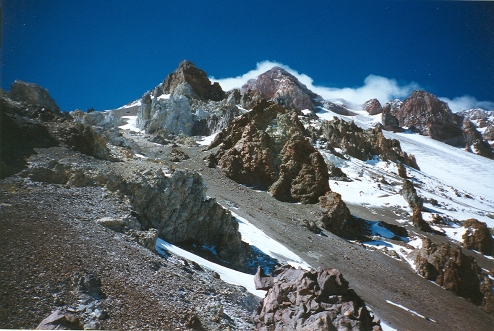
[
  {"x": 456, "y": 272},
  {"x": 478, "y": 237},
  {"x": 429, "y": 116},
  {"x": 402, "y": 171},
  {"x": 265, "y": 148},
  {"x": 280, "y": 86},
  {"x": 198, "y": 80},
  {"x": 373, "y": 107}
]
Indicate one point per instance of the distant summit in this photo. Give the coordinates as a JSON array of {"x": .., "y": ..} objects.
[
  {"x": 280, "y": 86},
  {"x": 197, "y": 80}
]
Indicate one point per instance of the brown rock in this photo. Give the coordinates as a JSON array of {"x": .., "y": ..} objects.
[
  {"x": 478, "y": 237},
  {"x": 265, "y": 148},
  {"x": 402, "y": 171},
  {"x": 280, "y": 86},
  {"x": 373, "y": 107},
  {"x": 454, "y": 271},
  {"x": 362, "y": 144},
  {"x": 198, "y": 80}
]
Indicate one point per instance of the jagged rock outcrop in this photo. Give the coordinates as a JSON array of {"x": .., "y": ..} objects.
[
  {"x": 362, "y": 144},
  {"x": 190, "y": 217},
  {"x": 32, "y": 94},
  {"x": 311, "y": 300},
  {"x": 187, "y": 103},
  {"x": 478, "y": 237},
  {"x": 373, "y": 107},
  {"x": 197, "y": 79},
  {"x": 455, "y": 271},
  {"x": 337, "y": 218},
  {"x": 416, "y": 203},
  {"x": 389, "y": 121},
  {"x": 429, "y": 116},
  {"x": 424, "y": 113},
  {"x": 280, "y": 86},
  {"x": 266, "y": 148}
]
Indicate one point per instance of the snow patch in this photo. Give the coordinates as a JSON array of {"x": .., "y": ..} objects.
[{"x": 131, "y": 124}]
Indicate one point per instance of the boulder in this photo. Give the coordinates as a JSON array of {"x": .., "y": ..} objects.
[
  {"x": 59, "y": 320},
  {"x": 373, "y": 107},
  {"x": 478, "y": 237},
  {"x": 298, "y": 299},
  {"x": 33, "y": 94}
]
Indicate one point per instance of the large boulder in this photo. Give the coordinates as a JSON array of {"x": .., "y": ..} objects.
[
  {"x": 32, "y": 94},
  {"x": 280, "y": 86},
  {"x": 311, "y": 300},
  {"x": 266, "y": 149}
]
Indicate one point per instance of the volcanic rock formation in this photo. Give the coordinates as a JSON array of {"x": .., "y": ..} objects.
[
  {"x": 310, "y": 300},
  {"x": 456, "y": 272},
  {"x": 362, "y": 144},
  {"x": 266, "y": 148},
  {"x": 478, "y": 237}
]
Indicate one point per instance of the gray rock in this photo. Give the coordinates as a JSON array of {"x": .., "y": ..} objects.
[{"x": 32, "y": 94}]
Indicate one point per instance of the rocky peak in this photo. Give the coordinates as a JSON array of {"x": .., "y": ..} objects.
[
  {"x": 429, "y": 116},
  {"x": 373, "y": 107},
  {"x": 280, "y": 86},
  {"x": 32, "y": 94},
  {"x": 199, "y": 85}
]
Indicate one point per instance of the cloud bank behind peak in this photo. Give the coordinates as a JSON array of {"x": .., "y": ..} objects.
[{"x": 374, "y": 86}]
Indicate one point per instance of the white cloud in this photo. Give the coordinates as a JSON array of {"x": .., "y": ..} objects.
[
  {"x": 382, "y": 88},
  {"x": 467, "y": 102}
]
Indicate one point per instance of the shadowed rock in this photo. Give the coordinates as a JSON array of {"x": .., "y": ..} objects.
[{"x": 311, "y": 300}]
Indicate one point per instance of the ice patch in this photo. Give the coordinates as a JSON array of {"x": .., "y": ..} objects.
[
  {"x": 228, "y": 275},
  {"x": 206, "y": 141},
  {"x": 131, "y": 124}
]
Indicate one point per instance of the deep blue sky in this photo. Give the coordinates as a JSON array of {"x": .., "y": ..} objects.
[{"x": 103, "y": 54}]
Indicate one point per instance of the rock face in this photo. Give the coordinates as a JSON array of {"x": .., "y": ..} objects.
[
  {"x": 187, "y": 103},
  {"x": 456, "y": 272},
  {"x": 32, "y": 94},
  {"x": 362, "y": 144},
  {"x": 429, "y": 116},
  {"x": 280, "y": 86},
  {"x": 104, "y": 119},
  {"x": 265, "y": 148},
  {"x": 424, "y": 113},
  {"x": 311, "y": 300},
  {"x": 373, "y": 107},
  {"x": 197, "y": 79},
  {"x": 190, "y": 217},
  {"x": 478, "y": 237}
]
